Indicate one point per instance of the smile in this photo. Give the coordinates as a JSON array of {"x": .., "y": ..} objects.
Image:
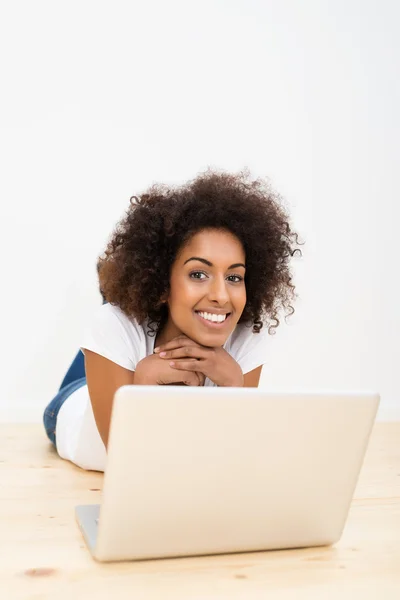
[{"x": 212, "y": 319}]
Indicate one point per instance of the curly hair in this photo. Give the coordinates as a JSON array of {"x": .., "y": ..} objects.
[{"x": 135, "y": 267}]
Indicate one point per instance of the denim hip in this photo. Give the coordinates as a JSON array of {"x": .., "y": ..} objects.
[{"x": 51, "y": 412}]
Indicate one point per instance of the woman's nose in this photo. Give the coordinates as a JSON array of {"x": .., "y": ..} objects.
[{"x": 218, "y": 291}]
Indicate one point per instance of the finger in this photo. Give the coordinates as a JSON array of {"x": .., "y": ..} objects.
[
  {"x": 201, "y": 377},
  {"x": 177, "y": 342},
  {"x": 192, "y": 381},
  {"x": 195, "y": 352},
  {"x": 176, "y": 376},
  {"x": 187, "y": 365}
]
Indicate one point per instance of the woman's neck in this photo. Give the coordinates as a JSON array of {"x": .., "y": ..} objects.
[{"x": 167, "y": 333}]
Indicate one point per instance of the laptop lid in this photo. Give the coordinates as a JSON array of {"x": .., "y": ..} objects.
[{"x": 213, "y": 470}]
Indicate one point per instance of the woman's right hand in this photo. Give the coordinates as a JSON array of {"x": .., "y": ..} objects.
[{"x": 153, "y": 370}]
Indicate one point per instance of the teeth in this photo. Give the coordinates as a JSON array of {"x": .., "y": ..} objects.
[{"x": 213, "y": 317}]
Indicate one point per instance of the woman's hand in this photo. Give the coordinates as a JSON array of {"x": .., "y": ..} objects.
[
  {"x": 153, "y": 370},
  {"x": 183, "y": 354}
]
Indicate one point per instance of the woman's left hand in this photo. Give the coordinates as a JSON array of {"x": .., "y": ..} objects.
[{"x": 214, "y": 363}]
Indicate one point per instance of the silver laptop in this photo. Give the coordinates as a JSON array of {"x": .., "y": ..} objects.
[{"x": 193, "y": 470}]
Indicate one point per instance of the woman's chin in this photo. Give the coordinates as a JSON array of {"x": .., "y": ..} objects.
[{"x": 210, "y": 340}]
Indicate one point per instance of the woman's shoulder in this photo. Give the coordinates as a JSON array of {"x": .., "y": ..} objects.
[
  {"x": 110, "y": 315},
  {"x": 111, "y": 312},
  {"x": 115, "y": 335},
  {"x": 248, "y": 348}
]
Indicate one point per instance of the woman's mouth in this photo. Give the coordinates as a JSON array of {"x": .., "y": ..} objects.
[{"x": 213, "y": 320}]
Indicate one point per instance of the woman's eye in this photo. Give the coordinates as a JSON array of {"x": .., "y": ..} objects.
[
  {"x": 197, "y": 275},
  {"x": 235, "y": 278}
]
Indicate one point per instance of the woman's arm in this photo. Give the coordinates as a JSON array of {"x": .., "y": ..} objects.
[
  {"x": 252, "y": 378},
  {"x": 103, "y": 378}
]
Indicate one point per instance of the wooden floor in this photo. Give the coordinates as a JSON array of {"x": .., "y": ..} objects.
[{"x": 43, "y": 554}]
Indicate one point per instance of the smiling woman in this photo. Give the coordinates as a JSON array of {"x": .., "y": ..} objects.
[{"x": 191, "y": 275}]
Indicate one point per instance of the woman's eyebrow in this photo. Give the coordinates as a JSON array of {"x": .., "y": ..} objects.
[{"x": 209, "y": 264}]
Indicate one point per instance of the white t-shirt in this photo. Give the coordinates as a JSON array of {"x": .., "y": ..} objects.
[{"x": 123, "y": 341}]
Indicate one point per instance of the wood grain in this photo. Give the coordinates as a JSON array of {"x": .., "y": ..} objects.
[{"x": 43, "y": 554}]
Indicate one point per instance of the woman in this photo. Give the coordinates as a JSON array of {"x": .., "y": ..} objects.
[{"x": 191, "y": 276}]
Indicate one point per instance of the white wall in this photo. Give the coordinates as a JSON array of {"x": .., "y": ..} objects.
[{"x": 100, "y": 99}]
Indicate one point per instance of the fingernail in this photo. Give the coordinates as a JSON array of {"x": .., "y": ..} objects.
[
  {"x": 157, "y": 349},
  {"x": 163, "y": 354},
  {"x": 171, "y": 364}
]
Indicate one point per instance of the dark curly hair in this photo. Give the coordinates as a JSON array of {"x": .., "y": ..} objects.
[{"x": 134, "y": 270}]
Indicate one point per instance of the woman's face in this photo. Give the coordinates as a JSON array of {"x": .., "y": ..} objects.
[{"x": 207, "y": 290}]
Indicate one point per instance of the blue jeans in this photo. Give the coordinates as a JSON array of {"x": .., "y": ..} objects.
[{"x": 73, "y": 380}]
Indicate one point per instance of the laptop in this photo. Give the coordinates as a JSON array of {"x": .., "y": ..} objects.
[{"x": 195, "y": 471}]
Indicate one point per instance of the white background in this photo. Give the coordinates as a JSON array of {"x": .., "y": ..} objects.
[{"x": 100, "y": 99}]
